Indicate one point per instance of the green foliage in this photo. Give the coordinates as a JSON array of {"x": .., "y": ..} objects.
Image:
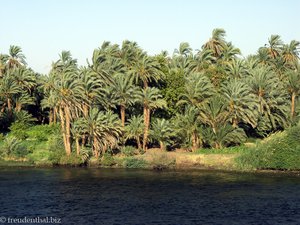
[
  {"x": 40, "y": 157},
  {"x": 11, "y": 146},
  {"x": 18, "y": 129},
  {"x": 107, "y": 160},
  {"x": 71, "y": 160},
  {"x": 279, "y": 151},
  {"x": 129, "y": 151},
  {"x": 132, "y": 162},
  {"x": 162, "y": 160}
]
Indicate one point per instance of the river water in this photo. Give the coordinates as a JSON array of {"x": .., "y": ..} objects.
[{"x": 117, "y": 196}]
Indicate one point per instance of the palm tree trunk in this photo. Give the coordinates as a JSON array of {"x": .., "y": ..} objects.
[
  {"x": 146, "y": 129},
  {"x": 95, "y": 147},
  {"x": 293, "y": 105},
  {"x": 145, "y": 84},
  {"x": 162, "y": 147},
  {"x": 195, "y": 143},
  {"x": 68, "y": 130},
  {"x": 9, "y": 106},
  {"x": 50, "y": 116},
  {"x": 138, "y": 140},
  {"x": 63, "y": 128},
  {"x": 54, "y": 114},
  {"x": 123, "y": 115},
  {"x": 85, "y": 109},
  {"x": 77, "y": 146}
]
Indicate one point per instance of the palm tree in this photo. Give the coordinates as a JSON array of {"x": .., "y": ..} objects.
[
  {"x": 241, "y": 102},
  {"x": 214, "y": 113},
  {"x": 188, "y": 126},
  {"x": 3, "y": 61},
  {"x": 293, "y": 84},
  {"x": 236, "y": 69},
  {"x": 16, "y": 58},
  {"x": 198, "y": 89},
  {"x": 225, "y": 135},
  {"x": 69, "y": 91},
  {"x": 151, "y": 100},
  {"x": 8, "y": 89},
  {"x": 146, "y": 69},
  {"x": 125, "y": 93},
  {"x": 216, "y": 43},
  {"x": 274, "y": 46},
  {"x": 290, "y": 52},
  {"x": 184, "y": 50},
  {"x": 104, "y": 130},
  {"x": 134, "y": 129},
  {"x": 161, "y": 131}
]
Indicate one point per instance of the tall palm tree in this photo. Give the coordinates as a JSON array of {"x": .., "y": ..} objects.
[
  {"x": 290, "y": 52},
  {"x": 217, "y": 42},
  {"x": 151, "y": 100},
  {"x": 125, "y": 93},
  {"x": 270, "y": 95},
  {"x": 293, "y": 84},
  {"x": 16, "y": 58},
  {"x": 146, "y": 69},
  {"x": 8, "y": 89},
  {"x": 274, "y": 46}
]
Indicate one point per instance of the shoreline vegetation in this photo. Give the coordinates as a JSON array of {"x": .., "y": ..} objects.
[{"x": 210, "y": 108}]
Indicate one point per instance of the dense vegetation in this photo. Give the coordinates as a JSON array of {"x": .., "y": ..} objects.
[{"x": 209, "y": 98}]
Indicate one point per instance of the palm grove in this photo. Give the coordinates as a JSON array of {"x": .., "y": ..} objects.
[{"x": 210, "y": 98}]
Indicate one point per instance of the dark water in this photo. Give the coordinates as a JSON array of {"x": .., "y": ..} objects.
[{"x": 107, "y": 196}]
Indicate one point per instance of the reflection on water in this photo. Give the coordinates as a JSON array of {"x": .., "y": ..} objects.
[{"x": 116, "y": 196}]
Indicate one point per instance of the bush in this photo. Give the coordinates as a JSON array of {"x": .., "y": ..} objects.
[
  {"x": 10, "y": 146},
  {"x": 161, "y": 161},
  {"x": 107, "y": 160},
  {"x": 129, "y": 151},
  {"x": 40, "y": 157},
  {"x": 279, "y": 151},
  {"x": 42, "y": 132},
  {"x": 71, "y": 160},
  {"x": 18, "y": 129},
  {"x": 131, "y": 162}
]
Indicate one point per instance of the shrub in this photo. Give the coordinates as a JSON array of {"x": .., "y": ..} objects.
[
  {"x": 10, "y": 145},
  {"x": 131, "y": 162},
  {"x": 40, "y": 157},
  {"x": 42, "y": 132},
  {"x": 162, "y": 161},
  {"x": 107, "y": 160},
  {"x": 18, "y": 129},
  {"x": 71, "y": 160},
  {"x": 129, "y": 151},
  {"x": 279, "y": 151}
]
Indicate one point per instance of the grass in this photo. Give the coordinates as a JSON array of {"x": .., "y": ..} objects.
[{"x": 229, "y": 150}]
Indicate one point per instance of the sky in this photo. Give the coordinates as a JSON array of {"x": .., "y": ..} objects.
[{"x": 43, "y": 28}]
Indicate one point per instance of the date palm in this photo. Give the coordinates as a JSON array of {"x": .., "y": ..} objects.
[
  {"x": 134, "y": 129},
  {"x": 293, "y": 85},
  {"x": 146, "y": 69},
  {"x": 16, "y": 58},
  {"x": 216, "y": 43},
  {"x": 8, "y": 89},
  {"x": 151, "y": 99},
  {"x": 161, "y": 131},
  {"x": 104, "y": 130},
  {"x": 270, "y": 95},
  {"x": 214, "y": 112},
  {"x": 241, "y": 102},
  {"x": 125, "y": 93},
  {"x": 188, "y": 126},
  {"x": 198, "y": 89}
]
